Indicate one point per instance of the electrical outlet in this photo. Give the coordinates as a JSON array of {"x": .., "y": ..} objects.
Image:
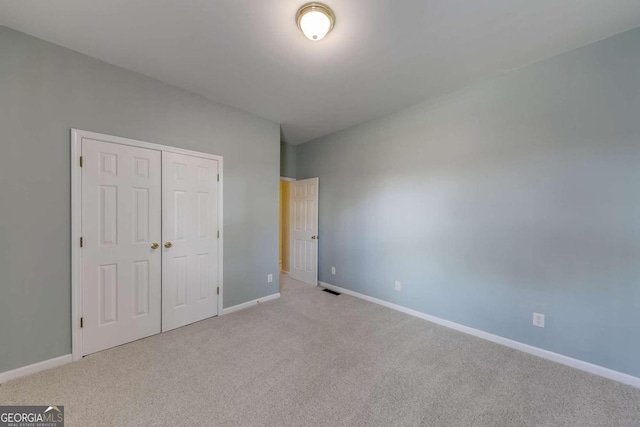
[
  {"x": 333, "y": 270},
  {"x": 398, "y": 286},
  {"x": 269, "y": 278},
  {"x": 538, "y": 320}
]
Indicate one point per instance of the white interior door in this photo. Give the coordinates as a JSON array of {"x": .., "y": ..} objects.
[
  {"x": 190, "y": 234},
  {"x": 304, "y": 230},
  {"x": 121, "y": 266}
]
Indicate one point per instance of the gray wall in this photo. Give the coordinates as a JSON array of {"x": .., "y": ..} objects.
[
  {"x": 45, "y": 90},
  {"x": 287, "y": 160},
  {"x": 515, "y": 195}
]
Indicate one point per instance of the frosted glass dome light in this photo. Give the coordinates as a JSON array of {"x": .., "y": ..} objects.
[{"x": 315, "y": 20}]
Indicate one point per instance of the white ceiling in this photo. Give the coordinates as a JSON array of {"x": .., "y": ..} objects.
[{"x": 382, "y": 55}]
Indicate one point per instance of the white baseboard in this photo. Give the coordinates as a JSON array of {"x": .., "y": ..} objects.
[
  {"x": 536, "y": 351},
  {"x": 36, "y": 367},
  {"x": 249, "y": 303},
  {"x": 67, "y": 358},
  {"x": 286, "y": 273}
]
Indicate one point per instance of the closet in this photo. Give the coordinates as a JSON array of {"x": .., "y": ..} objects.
[{"x": 148, "y": 257}]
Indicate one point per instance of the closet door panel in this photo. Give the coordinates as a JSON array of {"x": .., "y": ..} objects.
[
  {"x": 190, "y": 234},
  {"x": 121, "y": 221}
]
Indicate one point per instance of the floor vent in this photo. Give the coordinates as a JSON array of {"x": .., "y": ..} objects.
[{"x": 331, "y": 292}]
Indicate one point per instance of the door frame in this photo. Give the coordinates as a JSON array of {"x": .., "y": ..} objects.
[{"x": 76, "y": 220}]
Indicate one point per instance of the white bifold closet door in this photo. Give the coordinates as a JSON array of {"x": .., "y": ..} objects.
[
  {"x": 121, "y": 221},
  {"x": 149, "y": 242},
  {"x": 190, "y": 233}
]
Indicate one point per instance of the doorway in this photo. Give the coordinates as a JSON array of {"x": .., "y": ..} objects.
[{"x": 284, "y": 232}]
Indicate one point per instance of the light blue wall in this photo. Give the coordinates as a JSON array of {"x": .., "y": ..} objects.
[
  {"x": 287, "y": 160},
  {"x": 45, "y": 90},
  {"x": 515, "y": 195}
]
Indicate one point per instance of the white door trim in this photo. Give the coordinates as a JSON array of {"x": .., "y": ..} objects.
[
  {"x": 76, "y": 223},
  {"x": 284, "y": 178}
]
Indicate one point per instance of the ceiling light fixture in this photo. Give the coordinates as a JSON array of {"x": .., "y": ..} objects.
[{"x": 315, "y": 20}]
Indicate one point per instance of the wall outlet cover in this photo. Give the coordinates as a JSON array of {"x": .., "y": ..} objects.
[
  {"x": 538, "y": 320},
  {"x": 398, "y": 286},
  {"x": 333, "y": 270},
  {"x": 269, "y": 278}
]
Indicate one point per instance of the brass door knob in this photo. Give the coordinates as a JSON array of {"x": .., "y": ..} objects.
[
  {"x": 155, "y": 246},
  {"x": 168, "y": 245}
]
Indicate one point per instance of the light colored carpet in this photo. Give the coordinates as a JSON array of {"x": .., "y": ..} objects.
[{"x": 311, "y": 358}]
